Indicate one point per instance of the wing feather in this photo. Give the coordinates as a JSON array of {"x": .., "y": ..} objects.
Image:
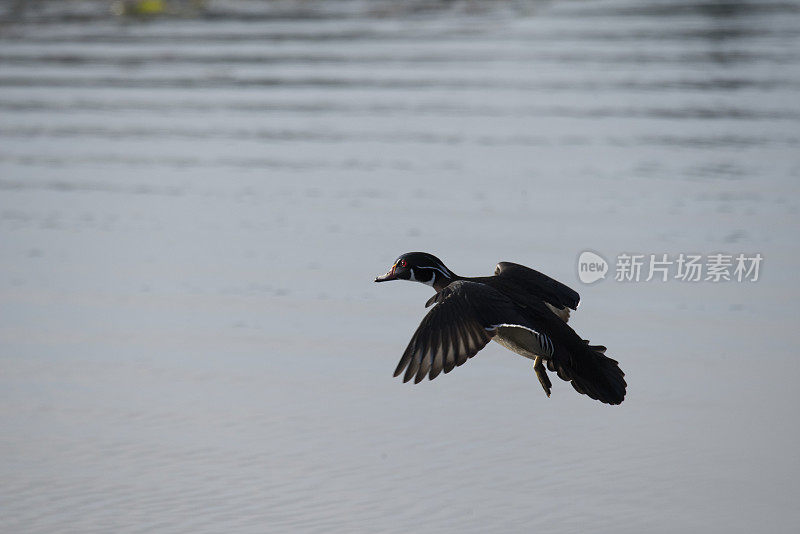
[
  {"x": 404, "y": 361},
  {"x": 413, "y": 364},
  {"x": 424, "y": 367},
  {"x": 454, "y": 330},
  {"x": 449, "y": 363},
  {"x": 549, "y": 290}
]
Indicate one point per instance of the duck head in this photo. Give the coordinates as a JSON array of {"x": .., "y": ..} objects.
[{"x": 419, "y": 267}]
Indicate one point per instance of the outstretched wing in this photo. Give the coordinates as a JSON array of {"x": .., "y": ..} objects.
[
  {"x": 455, "y": 329},
  {"x": 551, "y": 291}
]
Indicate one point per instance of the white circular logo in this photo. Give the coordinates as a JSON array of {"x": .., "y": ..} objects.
[{"x": 591, "y": 267}]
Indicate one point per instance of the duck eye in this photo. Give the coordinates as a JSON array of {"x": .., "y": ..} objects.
[{"x": 403, "y": 263}]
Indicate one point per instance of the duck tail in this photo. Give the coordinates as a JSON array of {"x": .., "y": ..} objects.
[{"x": 592, "y": 373}]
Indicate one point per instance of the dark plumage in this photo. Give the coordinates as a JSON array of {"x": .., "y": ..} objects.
[{"x": 520, "y": 308}]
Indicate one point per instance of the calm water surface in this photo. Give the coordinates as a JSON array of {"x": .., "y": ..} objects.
[{"x": 192, "y": 209}]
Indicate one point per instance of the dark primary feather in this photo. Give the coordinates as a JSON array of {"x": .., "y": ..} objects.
[
  {"x": 455, "y": 329},
  {"x": 547, "y": 289}
]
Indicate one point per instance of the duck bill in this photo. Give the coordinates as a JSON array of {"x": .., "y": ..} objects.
[{"x": 386, "y": 277}]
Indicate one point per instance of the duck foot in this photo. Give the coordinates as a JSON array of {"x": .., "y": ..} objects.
[{"x": 541, "y": 374}]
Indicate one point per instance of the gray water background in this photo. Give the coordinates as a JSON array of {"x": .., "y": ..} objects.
[{"x": 193, "y": 207}]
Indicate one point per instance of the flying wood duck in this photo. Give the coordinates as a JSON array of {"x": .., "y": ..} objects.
[{"x": 522, "y": 309}]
